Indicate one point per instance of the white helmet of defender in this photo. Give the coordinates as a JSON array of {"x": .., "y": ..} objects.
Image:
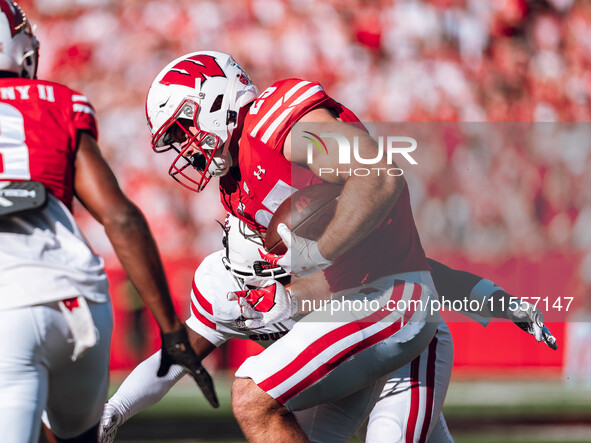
[{"x": 243, "y": 259}]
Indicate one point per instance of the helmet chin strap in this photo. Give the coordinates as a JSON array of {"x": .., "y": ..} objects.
[{"x": 229, "y": 104}]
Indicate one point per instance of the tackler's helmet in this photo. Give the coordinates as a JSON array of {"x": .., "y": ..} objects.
[
  {"x": 19, "y": 48},
  {"x": 243, "y": 259},
  {"x": 192, "y": 108}
]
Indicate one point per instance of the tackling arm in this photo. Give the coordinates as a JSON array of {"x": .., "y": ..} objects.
[
  {"x": 494, "y": 301},
  {"x": 311, "y": 292}
]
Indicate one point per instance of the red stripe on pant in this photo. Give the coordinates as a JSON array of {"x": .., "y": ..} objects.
[
  {"x": 430, "y": 387},
  {"x": 337, "y": 360},
  {"x": 322, "y": 343},
  {"x": 328, "y": 340},
  {"x": 415, "y": 399}
]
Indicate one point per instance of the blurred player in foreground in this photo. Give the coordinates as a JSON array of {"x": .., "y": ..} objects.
[
  {"x": 55, "y": 312},
  {"x": 411, "y": 400}
]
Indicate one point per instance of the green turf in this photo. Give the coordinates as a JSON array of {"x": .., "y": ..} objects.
[{"x": 543, "y": 411}]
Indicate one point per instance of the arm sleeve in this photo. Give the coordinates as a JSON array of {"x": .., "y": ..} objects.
[
  {"x": 452, "y": 284},
  {"x": 143, "y": 388}
]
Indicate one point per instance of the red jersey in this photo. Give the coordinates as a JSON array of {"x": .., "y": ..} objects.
[
  {"x": 38, "y": 125},
  {"x": 264, "y": 178}
]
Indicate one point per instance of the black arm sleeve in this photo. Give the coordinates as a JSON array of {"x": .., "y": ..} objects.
[{"x": 452, "y": 284}]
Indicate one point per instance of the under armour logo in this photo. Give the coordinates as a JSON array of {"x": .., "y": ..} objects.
[{"x": 259, "y": 172}]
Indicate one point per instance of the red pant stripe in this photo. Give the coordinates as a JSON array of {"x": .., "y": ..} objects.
[
  {"x": 325, "y": 342},
  {"x": 337, "y": 360},
  {"x": 430, "y": 387},
  {"x": 414, "y": 400}
]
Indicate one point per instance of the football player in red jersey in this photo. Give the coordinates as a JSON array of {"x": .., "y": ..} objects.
[
  {"x": 55, "y": 312},
  {"x": 204, "y": 108},
  {"x": 410, "y": 402}
]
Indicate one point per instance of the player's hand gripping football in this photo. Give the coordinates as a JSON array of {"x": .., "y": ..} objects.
[
  {"x": 176, "y": 350},
  {"x": 302, "y": 257},
  {"x": 264, "y": 306},
  {"x": 530, "y": 319}
]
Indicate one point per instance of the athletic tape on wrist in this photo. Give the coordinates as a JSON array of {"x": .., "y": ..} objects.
[
  {"x": 317, "y": 257},
  {"x": 481, "y": 293}
]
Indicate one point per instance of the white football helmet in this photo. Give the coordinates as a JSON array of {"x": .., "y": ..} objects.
[
  {"x": 19, "y": 48},
  {"x": 192, "y": 107},
  {"x": 243, "y": 259}
]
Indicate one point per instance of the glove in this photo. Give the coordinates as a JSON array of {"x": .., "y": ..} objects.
[
  {"x": 176, "y": 349},
  {"x": 226, "y": 313},
  {"x": 265, "y": 306},
  {"x": 302, "y": 257},
  {"x": 110, "y": 422},
  {"x": 530, "y": 319}
]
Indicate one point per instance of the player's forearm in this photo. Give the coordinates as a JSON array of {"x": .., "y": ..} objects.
[
  {"x": 135, "y": 247},
  {"x": 311, "y": 292},
  {"x": 452, "y": 284},
  {"x": 455, "y": 285},
  {"x": 142, "y": 388},
  {"x": 362, "y": 206}
]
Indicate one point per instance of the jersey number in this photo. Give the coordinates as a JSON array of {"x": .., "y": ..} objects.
[
  {"x": 256, "y": 106},
  {"x": 14, "y": 153},
  {"x": 272, "y": 200}
]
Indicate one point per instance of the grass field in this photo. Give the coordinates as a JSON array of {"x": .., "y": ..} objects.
[{"x": 480, "y": 411}]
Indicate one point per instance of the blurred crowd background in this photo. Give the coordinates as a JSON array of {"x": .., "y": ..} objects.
[
  {"x": 419, "y": 61},
  {"x": 486, "y": 190}
]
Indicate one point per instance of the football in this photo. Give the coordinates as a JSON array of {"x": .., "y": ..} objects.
[{"x": 306, "y": 213}]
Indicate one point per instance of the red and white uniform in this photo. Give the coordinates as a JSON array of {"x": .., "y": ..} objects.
[
  {"x": 324, "y": 359},
  {"x": 211, "y": 283},
  {"x": 267, "y": 178},
  {"x": 38, "y": 125},
  {"x": 408, "y": 404},
  {"x": 44, "y": 258}
]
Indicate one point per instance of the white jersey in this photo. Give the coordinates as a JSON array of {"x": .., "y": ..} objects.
[
  {"x": 44, "y": 257},
  {"x": 213, "y": 282}
]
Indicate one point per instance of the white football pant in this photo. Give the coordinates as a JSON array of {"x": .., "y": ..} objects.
[{"x": 37, "y": 373}]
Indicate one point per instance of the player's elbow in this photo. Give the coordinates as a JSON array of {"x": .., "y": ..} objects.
[
  {"x": 123, "y": 219},
  {"x": 392, "y": 182},
  {"x": 383, "y": 185}
]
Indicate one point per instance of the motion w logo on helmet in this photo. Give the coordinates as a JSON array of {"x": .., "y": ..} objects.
[{"x": 189, "y": 70}]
